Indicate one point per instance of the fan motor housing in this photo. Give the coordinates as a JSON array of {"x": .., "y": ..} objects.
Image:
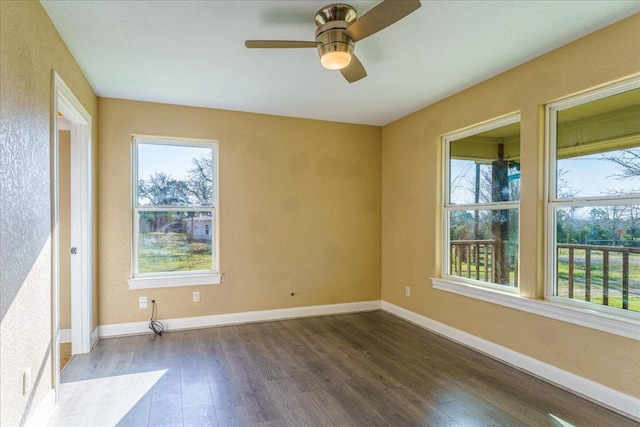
[
  {"x": 331, "y": 38},
  {"x": 336, "y": 12},
  {"x": 332, "y": 20}
]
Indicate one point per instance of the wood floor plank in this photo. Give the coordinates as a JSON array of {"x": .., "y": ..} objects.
[
  {"x": 199, "y": 416},
  {"x": 465, "y": 415},
  {"x": 166, "y": 413},
  {"x": 139, "y": 414},
  {"x": 168, "y": 387},
  {"x": 360, "y": 411},
  {"x": 361, "y": 369},
  {"x": 233, "y": 416},
  {"x": 509, "y": 400}
]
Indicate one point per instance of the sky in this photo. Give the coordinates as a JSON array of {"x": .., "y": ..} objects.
[
  {"x": 588, "y": 176},
  {"x": 592, "y": 176},
  {"x": 170, "y": 159}
]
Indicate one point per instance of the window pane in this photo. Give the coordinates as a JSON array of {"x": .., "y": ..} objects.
[
  {"x": 598, "y": 147},
  {"x": 598, "y": 255},
  {"x": 175, "y": 175},
  {"x": 174, "y": 241},
  {"x": 485, "y": 168},
  {"x": 484, "y": 245},
  {"x": 600, "y": 174}
]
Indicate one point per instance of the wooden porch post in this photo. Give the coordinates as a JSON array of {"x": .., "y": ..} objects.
[{"x": 499, "y": 218}]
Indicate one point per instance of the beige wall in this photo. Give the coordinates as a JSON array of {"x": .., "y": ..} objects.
[
  {"x": 300, "y": 206},
  {"x": 299, "y": 211},
  {"x": 411, "y": 200},
  {"x": 30, "y": 48},
  {"x": 64, "y": 226}
]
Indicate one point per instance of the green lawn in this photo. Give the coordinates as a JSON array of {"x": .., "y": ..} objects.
[{"x": 161, "y": 252}]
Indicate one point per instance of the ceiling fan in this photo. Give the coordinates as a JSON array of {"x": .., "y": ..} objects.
[{"x": 339, "y": 30}]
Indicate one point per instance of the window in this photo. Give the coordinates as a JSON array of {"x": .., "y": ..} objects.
[
  {"x": 593, "y": 215},
  {"x": 481, "y": 206},
  {"x": 174, "y": 212}
]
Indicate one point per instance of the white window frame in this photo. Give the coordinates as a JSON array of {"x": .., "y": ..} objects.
[
  {"x": 178, "y": 278},
  {"x": 577, "y": 314},
  {"x": 553, "y": 202},
  {"x": 448, "y": 207}
]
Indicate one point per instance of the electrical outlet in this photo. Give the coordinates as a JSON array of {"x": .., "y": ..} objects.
[
  {"x": 26, "y": 381},
  {"x": 407, "y": 291},
  {"x": 142, "y": 302},
  {"x": 196, "y": 296}
]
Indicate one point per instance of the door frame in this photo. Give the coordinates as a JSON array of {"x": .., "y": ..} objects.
[{"x": 65, "y": 102}]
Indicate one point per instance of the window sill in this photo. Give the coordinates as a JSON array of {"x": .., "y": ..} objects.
[
  {"x": 618, "y": 325},
  {"x": 150, "y": 282}
]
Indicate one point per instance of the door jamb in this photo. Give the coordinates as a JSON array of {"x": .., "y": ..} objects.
[{"x": 64, "y": 101}]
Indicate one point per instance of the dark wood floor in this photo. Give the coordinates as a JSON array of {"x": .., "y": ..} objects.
[{"x": 365, "y": 369}]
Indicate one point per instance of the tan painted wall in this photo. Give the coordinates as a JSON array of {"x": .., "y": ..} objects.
[
  {"x": 299, "y": 211},
  {"x": 411, "y": 200},
  {"x": 64, "y": 227},
  {"x": 30, "y": 48}
]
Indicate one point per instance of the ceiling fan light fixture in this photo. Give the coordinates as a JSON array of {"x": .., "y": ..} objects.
[
  {"x": 335, "y": 53},
  {"x": 335, "y": 60},
  {"x": 339, "y": 28}
]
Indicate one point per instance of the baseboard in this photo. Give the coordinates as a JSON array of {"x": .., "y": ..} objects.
[
  {"x": 65, "y": 336},
  {"x": 44, "y": 410},
  {"x": 95, "y": 336},
  {"x": 591, "y": 390},
  {"x": 135, "y": 328}
]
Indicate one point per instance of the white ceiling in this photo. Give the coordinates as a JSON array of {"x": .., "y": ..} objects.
[{"x": 192, "y": 52}]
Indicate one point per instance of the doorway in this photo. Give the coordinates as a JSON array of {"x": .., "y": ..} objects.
[{"x": 71, "y": 252}]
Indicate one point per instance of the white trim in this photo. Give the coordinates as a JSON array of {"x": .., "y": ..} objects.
[
  {"x": 65, "y": 336},
  {"x": 55, "y": 239},
  {"x": 135, "y": 328},
  {"x": 598, "y": 393},
  {"x": 150, "y": 282},
  {"x": 507, "y": 119},
  {"x": 595, "y": 94},
  {"x": 586, "y": 317},
  {"x": 95, "y": 337},
  {"x": 479, "y": 284},
  {"x": 63, "y": 123},
  {"x": 553, "y": 203},
  {"x": 446, "y": 204},
  {"x": 136, "y": 208},
  {"x": 43, "y": 412},
  {"x": 65, "y": 102}
]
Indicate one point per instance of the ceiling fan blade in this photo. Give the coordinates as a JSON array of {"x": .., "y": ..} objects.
[
  {"x": 354, "y": 71},
  {"x": 278, "y": 44},
  {"x": 380, "y": 17}
]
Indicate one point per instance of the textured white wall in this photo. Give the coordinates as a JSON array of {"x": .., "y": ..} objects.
[{"x": 30, "y": 48}]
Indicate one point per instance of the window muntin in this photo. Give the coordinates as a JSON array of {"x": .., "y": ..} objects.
[
  {"x": 482, "y": 193},
  {"x": 175, "y": 198},
  {"x": 594, "y": 200}
]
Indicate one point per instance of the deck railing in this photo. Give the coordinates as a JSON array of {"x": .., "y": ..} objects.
[
  {"x": 584, "y": 262},
  {"x": 474, "y": 259},
  {"x": 607, "y": 275}
]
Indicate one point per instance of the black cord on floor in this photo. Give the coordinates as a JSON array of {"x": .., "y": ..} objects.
[{"x": 156, "y": 326}]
